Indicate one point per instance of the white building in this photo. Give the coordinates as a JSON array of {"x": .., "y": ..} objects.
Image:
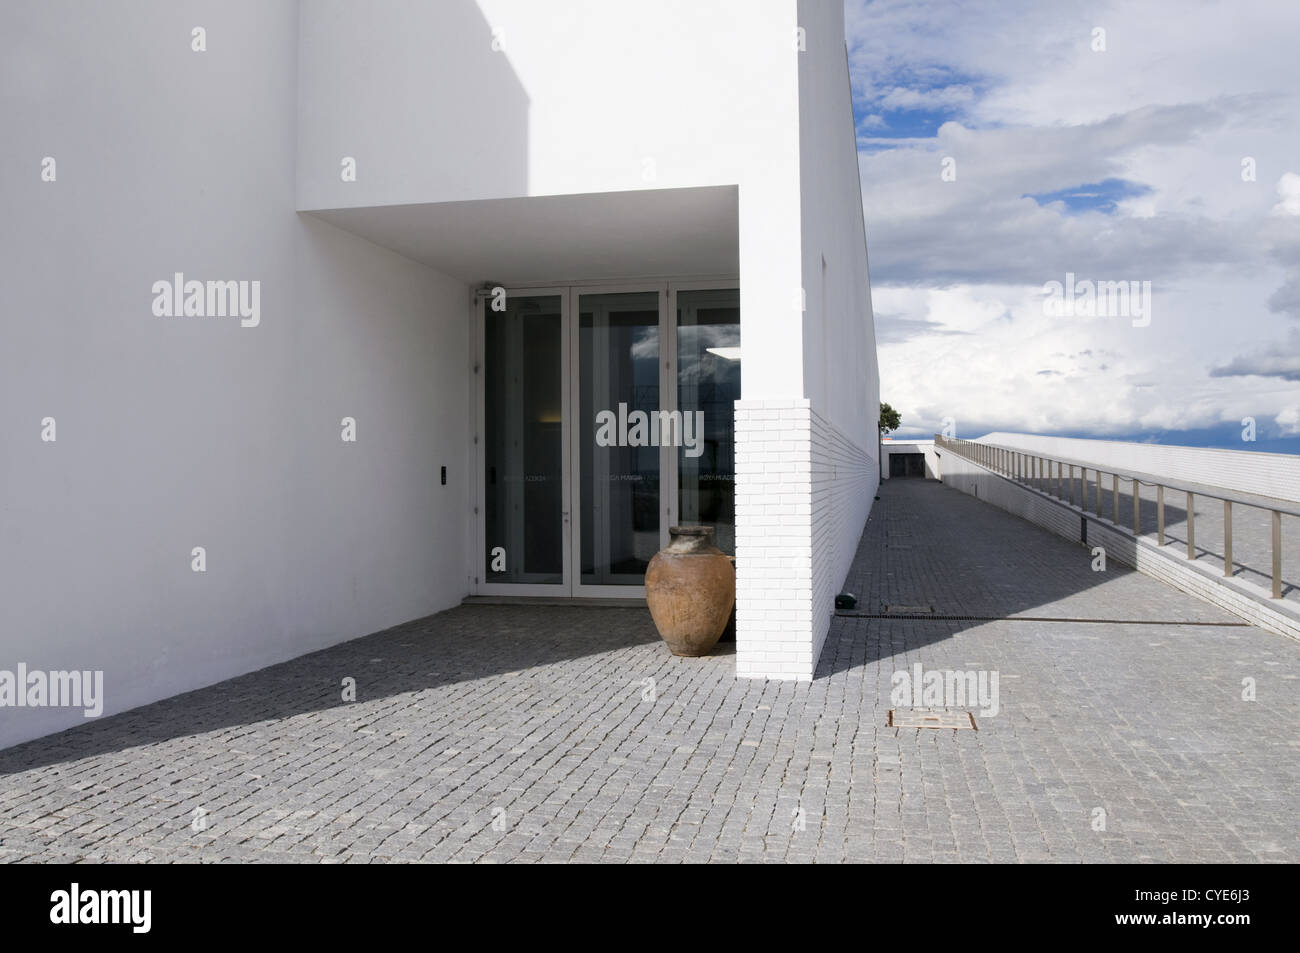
[{"x": 462, "y": 230}]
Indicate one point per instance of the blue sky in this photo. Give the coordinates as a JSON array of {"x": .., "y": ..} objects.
[{"x": 1006, "y": 146}]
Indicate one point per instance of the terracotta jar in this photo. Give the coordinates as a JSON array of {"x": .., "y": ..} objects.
[{"x": 690, "y": 587}]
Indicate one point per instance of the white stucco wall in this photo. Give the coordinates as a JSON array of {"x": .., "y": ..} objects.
[
  {"x": 808, "y": 468},
  {"x": 839, "y": 353},
  {"x": 183, "y": 432},
  {"x": 177, "y": 432},
  {"x": 584, "y": 96},
  {"x": 841, "y": 376},
  {"x": 697, "y": 95}
]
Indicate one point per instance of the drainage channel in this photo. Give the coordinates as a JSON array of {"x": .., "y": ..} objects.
[{"x": 928, "y": 617}]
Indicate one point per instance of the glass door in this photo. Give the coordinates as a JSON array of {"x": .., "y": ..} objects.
[
  {"x": 523, "y": 522},
  {"x": 598, "y": 417},
  {"x": 708, "y": 385},
  {"x": 619, "y": 437}
]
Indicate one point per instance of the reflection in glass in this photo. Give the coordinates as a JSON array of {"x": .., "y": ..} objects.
[
  {"x": 523, "y": 442},
  {"x": 708, "y": 380},
  {"x": 618, "y": 361}
]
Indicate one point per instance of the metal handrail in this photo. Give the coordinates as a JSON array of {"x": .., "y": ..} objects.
[{"x": 1020, "y": 465}]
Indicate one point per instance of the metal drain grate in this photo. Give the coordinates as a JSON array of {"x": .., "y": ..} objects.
[
  {"x": 908, "y": 610},
  {"x": 930, "y": 718}
]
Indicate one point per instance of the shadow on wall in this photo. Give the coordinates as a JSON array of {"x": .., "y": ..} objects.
[{"x": 421, "y": 94}]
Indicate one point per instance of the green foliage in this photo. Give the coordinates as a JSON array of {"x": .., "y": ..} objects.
[{"x": 889, "y": 419}]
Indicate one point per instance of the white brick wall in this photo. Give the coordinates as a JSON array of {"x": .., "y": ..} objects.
[{"x": 803, "y": 492}]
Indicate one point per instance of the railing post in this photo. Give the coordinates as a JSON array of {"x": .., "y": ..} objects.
[
  {"x": 1160, "y": 515},
  {"x": 1114, "y": 509},
  {"x": 1277, "y": 554},
  {"x": 1070, "y": 487},
  {"x": 1191, "y": 525},
  {"x": 1098, "y": 492},
  {"x": 1059, "y": 467},
  {"x": 1137, "y": 508},
  {"x": 1227, "y": 537}
]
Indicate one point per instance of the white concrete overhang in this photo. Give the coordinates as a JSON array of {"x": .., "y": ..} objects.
[{"x": 560, "y": 238}]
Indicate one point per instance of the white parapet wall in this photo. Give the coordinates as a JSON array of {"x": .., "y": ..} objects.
[{"x": 1268, "y": 474}]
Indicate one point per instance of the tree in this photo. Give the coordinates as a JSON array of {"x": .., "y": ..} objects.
[{"x": 889, "y": 419}]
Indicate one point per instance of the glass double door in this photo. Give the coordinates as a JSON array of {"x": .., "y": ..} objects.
[{"x": 572, "y": 499}]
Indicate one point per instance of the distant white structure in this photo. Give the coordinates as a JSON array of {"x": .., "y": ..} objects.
[{"x": 902, "y": 457}]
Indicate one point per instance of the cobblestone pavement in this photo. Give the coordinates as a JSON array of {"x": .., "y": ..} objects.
[{"x": 523, "y": 733}]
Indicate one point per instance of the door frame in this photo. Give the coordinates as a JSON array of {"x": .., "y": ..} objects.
[
  {"x": 660, "y": 290},
  {"x": 573, "y": 587},
  {"x": 478, "y": 572}
]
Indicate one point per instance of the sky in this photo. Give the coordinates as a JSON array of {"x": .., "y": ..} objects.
[{"x": 1007, "y": 145}]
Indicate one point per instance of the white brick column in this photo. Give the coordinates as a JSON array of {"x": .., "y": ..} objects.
[{"x": 774, "y": 567}]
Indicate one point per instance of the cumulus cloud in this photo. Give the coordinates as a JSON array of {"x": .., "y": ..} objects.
[
  {"x": 1026, "y": 108},
  {"x": 1280, "y": 359}
]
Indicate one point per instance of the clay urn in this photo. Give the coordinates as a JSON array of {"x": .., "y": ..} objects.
[{"x": 690, "y": 586}]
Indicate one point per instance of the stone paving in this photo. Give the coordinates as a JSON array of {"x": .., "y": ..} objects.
[{"x": 524, "y": 733}]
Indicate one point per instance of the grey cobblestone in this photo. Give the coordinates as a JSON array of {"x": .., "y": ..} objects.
[{"x": 537, "y": 711}]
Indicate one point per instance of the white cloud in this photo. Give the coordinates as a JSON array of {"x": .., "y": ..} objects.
[
  {"x": 900, "y": 97},
  {"x": 1182, "y": 95},
  {"x": 1288, "y": 191}
]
